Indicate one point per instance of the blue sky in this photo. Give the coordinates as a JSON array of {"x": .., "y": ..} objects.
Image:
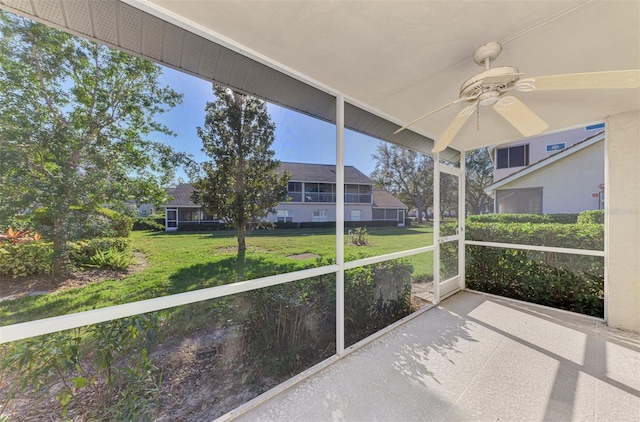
[{"x": 299, "y": 138}]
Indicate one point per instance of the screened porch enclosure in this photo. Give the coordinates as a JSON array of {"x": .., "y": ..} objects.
[{"x": 352, "y": 306}]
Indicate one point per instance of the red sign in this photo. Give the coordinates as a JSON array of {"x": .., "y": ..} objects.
[
  {"x": 595, "y": 195},
  {"x": 601, "y": 186}
]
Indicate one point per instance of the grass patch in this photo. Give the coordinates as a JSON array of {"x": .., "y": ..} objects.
[{"x": 180, "y": 262}]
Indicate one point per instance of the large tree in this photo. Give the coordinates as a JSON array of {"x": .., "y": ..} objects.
[
  {"x": 241, "y": 184},
  {"x": 74, "y": 122},
  {"x": 479, "y": 175},
  {"x": 405, "y": 173}
]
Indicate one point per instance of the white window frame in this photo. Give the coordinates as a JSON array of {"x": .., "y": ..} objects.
[
  {"x": 284, "y": 216},
  {"x": 320, "y": 216}
]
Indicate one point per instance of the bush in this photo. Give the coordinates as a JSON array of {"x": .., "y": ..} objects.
[
  {"x": 293, "y": 324},
  {"x": 85, "y": 224},
  {"x": 565, "y": 281},
  {"x": 591, "y": 217},
  {"x": 112, "y": 259},
  {"x": 523, "y": 218},
  {"x": 201, "y": 227},
  {"x": 109, "y": 360},
  {"x": 290, "y": 325},
  {"x": 376, "y": 296},
  {"x": 148, "y": 224},
  {"x": 23, "y": 259},
  {"x": 82, "y": 251},
  {"x": 577, "y": 236}
]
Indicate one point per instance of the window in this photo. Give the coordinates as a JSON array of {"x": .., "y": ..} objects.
[
  {"x": 295, "y": 191},
  {"x": 356, "y": 215},
  {"x": 285, "y": 216},
  {"x": 512, "y": 157},
  {"x": 519, "y": 201},
  {"x": 358, "y": 194},
  {"x": 320, "y": 216}
]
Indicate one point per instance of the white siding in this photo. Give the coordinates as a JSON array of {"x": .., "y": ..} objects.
[
  {"x": 538, "y": 145},
  {"x": 568, "y": 184},
  {"x": 304, "y": 212}
]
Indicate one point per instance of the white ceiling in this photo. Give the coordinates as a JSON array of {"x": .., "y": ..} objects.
[
  {"x": 404, "y": 58},
  {"x": 397, "y": 59}
]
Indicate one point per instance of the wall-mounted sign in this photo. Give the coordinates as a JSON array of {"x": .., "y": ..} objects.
[
  {"x": 601, "y": 186},
  {"x": 556, "y": 147}
]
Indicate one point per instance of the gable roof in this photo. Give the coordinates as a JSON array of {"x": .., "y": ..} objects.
[
  {"x": 300, "y": 172},
  {"x": 383, "y": 199},
  {"x": 181, "y": 195},
  {"x": 325, "y": 173},
  {"x": 598, "y": 137}
]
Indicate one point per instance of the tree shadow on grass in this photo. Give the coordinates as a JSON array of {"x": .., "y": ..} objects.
[
  {"x": 395, "y": 231},
  {"x": 227, "y": 270}
]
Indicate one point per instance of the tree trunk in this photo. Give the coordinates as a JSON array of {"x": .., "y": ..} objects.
[
  {"x": 60, "y": 264},
  {"x": 242, "y": 249},
  {"x": 242, "y": 246}
]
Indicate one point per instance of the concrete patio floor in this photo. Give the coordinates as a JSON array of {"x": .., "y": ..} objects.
[{"x": 475, "y": 358}]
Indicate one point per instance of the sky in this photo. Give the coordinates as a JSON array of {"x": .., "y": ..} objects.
[{"x": 298, "y": 137}]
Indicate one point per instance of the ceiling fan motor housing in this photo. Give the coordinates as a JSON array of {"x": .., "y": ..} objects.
[{"x": 497, "y": 79}]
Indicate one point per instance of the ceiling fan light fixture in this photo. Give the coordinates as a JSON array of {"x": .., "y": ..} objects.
[{"x": 488, "y": 98}]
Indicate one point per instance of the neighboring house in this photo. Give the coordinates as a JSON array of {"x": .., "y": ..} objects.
[
  {"x": 566, "y": 182},
  {"x": 311, "y": 198},
  {"x": 145, "y": 210},
  {"x": 514, "y": 156},
  {"x": 181, "y": 209}
]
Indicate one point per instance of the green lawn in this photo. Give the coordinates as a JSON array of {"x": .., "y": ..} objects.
[{"x": 179, "y": 262}]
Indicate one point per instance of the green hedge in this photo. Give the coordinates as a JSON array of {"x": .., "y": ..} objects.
[
  {"x": 577, "y": 236},
  {"x": 591, "y": 217},
  {"x": 24, "y": 259},
  {"x": 201, "y": 227},
  {"x": 565, "y": 281},
  {"x": 523, "y": 218},
  {"x": 148, "y": 224}
]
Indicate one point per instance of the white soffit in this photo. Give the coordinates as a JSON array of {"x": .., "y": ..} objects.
[{"x": 404, "y": 58}]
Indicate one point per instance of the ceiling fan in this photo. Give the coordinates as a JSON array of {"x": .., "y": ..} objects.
[{"x": 490, "y": 86}]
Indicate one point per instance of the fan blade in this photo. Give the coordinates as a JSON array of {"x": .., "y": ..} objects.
[
  {"x": 616, "y": 79},
  {"x": 520, "y": 116},
  {"x": 454, "y": 128},
  {"x": 429, "y": 114}
]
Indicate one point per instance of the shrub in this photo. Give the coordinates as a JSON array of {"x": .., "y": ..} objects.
[
  {"x": 201, "y": 227},
  {"x": 86, "y": 224},
  {"x": 23, "y": 259},
  {"x": 293, "y": 324},
  {"x": 577, "y": 236},
  {"x": 110, "y": 359},
  {"x": 565, "y": 281},
  {"x": 523, "y": 218},
  {"x": 359, "y": 237},
  {"x": 148, "y": 224},
  {"x": 376, "y": 296},
  {"x": 289, "y": 325},
  {"x": 591, "y": 217},
  {"x": 82, "y": 251},
  {"x": 111, "y": 258},
  {"x": 18, "y": 236}
]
